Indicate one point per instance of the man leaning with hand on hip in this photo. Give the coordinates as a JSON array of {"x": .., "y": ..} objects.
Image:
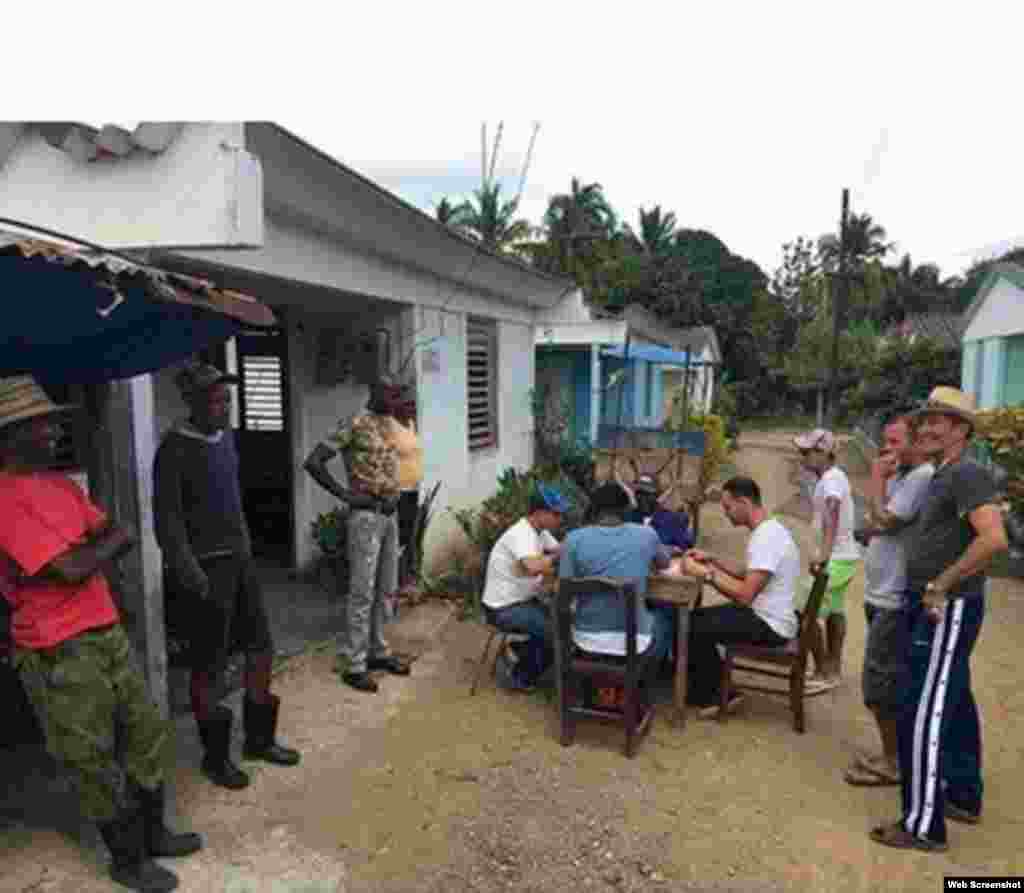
[{"x": 959, "y": 531}]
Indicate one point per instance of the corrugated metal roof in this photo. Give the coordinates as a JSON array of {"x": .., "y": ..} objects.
[{"x": 163, "y": 285}]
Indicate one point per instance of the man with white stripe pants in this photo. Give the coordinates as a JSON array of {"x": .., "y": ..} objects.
[{"x": 959, "y": 531}]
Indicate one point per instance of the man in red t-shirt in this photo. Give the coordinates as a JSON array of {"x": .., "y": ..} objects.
[{"x": 70, "y": 650}]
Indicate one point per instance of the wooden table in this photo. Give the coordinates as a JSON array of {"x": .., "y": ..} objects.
[{"x": 681, "y": 593}]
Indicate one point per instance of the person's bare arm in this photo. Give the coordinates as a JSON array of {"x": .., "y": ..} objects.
[
  {"x": 987, "y": 522},
  {"x": 730, "y": 566},
  {"x": 316, "y": 466},
  {"x": 742, "y": 590},
  {"x": 538, "y": 564},
  {"x": 882, "y": 520},
  {"x": 80, "y": 562},
  {"x": 830, "y": 524}
]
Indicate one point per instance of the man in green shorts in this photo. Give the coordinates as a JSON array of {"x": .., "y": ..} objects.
[{"x": 837, "y": 550}]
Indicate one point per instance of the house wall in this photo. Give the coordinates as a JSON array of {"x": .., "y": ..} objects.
[
  {"x": 467, "y": 477},
  {"x": 701, "y": 385},
  {"x": 203, "y": 190},
  {"x": 1001, "y": 314}
]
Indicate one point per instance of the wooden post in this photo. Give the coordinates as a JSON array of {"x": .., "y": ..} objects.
[
  {"x": 838, "y": 309},
  {"x": 122, "y": 445}
]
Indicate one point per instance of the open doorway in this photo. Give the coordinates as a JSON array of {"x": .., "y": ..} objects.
[{"x": 264, "y": 441}]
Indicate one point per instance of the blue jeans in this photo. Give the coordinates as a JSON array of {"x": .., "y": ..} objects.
[
  {"x": 530, "y": 618},
  {"x": 940, "y": 733}
]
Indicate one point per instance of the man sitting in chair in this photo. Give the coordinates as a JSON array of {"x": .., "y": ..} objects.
[
  {"x": 760, "y": 609},
  {"x": 613, "y": 547},
  {"x": 648, "y": 508},
  {"x": 522, "y": 559}
]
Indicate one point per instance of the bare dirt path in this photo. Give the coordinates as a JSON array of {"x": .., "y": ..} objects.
[{"x": 426, "y": 789}]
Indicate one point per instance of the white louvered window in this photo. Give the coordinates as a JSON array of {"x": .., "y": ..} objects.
[
  {"x": 482, "y": 383},
  {"x": 262, "y": 393}
]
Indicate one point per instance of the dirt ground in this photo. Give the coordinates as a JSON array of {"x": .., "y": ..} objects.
[{"x": 425, "y": 789}]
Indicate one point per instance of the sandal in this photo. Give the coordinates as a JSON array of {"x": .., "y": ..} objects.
[
  {"x": 868, "y": 772},
  {"x": 895, "y": 835},
  {"x": 861, "y": 777}
]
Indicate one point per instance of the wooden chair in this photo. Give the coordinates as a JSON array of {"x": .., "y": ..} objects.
[
  {"x": 577, "y": 671},
  {"x": 789, "y": 661},
  {"x": 503, "y": 641}
]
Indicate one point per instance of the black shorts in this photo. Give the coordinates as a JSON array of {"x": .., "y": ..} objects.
[
  {"x": 886, "y": 655},
  {"x": 232, "y": 619}
]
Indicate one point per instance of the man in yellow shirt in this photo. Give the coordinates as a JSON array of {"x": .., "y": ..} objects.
[{"x": 406, "y": 442}]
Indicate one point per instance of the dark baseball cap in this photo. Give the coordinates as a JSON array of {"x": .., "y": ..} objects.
[{"x": 197, "y": 377}]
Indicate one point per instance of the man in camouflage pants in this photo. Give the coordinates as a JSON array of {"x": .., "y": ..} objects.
[
  {"x": 370, "y": 488},
  {"x": 71, "y": 652}
]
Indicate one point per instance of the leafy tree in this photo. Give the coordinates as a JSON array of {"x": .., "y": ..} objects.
[
  {"x": 492, "y": 221},
  {"x": 655, "y": 236},
  {"x": 574, "y": 222},
  {"x": 865, "y": 240},
  {"x": 453, "y": 215}
]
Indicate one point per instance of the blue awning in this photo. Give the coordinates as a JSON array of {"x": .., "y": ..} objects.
[
  {"x": 75, "y": 317},
  {"x": 650, "y": 354}
]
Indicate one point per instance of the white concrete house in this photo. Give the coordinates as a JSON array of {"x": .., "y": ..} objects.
[
  {"x": 360, "y": 280},
  {"x": 993, "y": 340}
]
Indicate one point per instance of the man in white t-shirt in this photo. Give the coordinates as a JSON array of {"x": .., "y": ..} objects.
[
  {"x": 761, "y": 609},
  {"x": 523, "y": 558},
  {"x": 837, "y": 551},
  {"x": 900, "y": 478}
]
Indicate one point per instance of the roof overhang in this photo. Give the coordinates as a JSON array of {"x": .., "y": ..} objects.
[
  {"x": 75, "y": 315},
  {"x": 304, "y": 184}
]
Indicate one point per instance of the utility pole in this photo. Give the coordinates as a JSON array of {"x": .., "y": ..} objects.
[{"x": 839, "y": 302}]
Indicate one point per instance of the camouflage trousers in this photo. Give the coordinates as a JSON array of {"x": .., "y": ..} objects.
[
  {"x": 373, "y": 574},
  {"x": 98, "y": 718}
]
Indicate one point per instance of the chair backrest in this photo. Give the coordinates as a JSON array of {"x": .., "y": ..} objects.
[
  {"x": 572, "y": 588},
  {"x": 810, "y": 613}
]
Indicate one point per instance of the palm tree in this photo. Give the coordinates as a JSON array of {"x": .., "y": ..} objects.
[
  {"x": 492, "y": 221},
  {"x": 574, "y": 221},
  {"x": 865, "y": 240},
  {"x": 656, "y": 232},
  {"x": 452, "y": 215}
]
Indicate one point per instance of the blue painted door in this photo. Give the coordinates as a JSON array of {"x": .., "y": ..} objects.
[{"x": 1013, "y": 389}]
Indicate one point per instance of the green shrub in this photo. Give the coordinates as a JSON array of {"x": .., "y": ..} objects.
[
  {"x": 484, "y": 524},
  {"x": 329, "y": 531}
]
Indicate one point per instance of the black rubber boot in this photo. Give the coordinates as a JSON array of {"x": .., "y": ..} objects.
[
  {"x": 215, "y": 733},
  {"x": 161, "y": 842},
  {"x": 260, "y": 721},
  {"x": 125, "y": 837}
]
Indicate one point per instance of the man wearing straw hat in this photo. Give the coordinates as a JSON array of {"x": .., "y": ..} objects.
[
  {"x": 958, "y": 532},
  {"x": 71, "y": 651}
]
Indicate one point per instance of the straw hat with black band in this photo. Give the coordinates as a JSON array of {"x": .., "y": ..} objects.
[
  {"x": 22, "y": 398},
  {"x": 949, "y": 401}
]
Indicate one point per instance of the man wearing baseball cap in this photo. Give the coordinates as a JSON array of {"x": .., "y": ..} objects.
[
  {"x": 522, "y": 559},
  {"x": 837, "y": 550},
  {"x": 73, "y": 655},
  {"x": 201, "y": 528},
  {"x": 958, "y": 532}
]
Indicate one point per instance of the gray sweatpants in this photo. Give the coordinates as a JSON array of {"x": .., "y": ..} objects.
[{"x": 373, "y": 574}]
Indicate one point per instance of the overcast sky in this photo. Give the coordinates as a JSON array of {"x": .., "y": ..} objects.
[{"x": 745, "y": 119}]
